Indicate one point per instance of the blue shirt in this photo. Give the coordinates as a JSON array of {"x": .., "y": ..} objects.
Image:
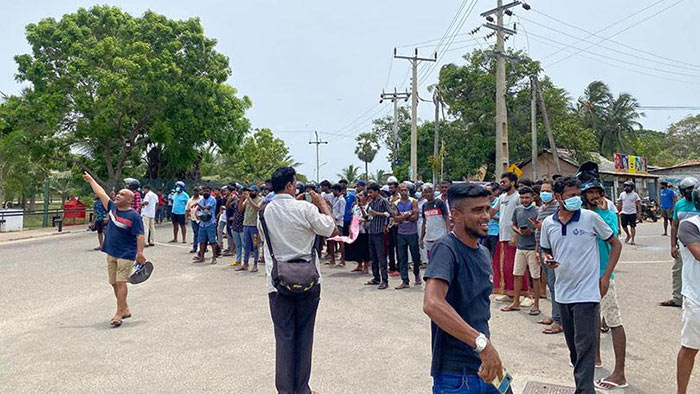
[
  {"x": 122, "y": 231},
  {"x": 603, "y": 247},
  {"x": 349, "y": 201},
  {"x": 180, "y": 203},
  {"x": 667, "y": 196},
  {"x": 406, "y": 227},
  {"x": 469, "y": 275},
  {"x": 100, "y": 211},
  {"x": 207, "y": 206},
  {"x": 684, "y": 209},
  {"x": 493, "y": 224}
]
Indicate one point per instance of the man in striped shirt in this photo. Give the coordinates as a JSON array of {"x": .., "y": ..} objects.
[{"x": 378, "y": 216}]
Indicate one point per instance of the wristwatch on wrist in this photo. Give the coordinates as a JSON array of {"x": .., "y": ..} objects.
[{"x": 480, "y": 343}]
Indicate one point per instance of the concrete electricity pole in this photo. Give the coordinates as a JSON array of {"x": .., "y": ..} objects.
[
  {"x": 533, "y": 124},
  {"x": 414, "y": 107},
  {"x": 547, "y": 125},
  {"x": 502, "y": 159},
  {"x": 395, "y": 97},
  {"x": 318, "y": 143},
  {"x": 436, "y": 134}
]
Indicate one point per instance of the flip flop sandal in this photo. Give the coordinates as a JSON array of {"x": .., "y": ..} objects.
[
  {"x": 604, "y": 329},
  {"x": 602, "y": 383},
  {"x": 126, "y": 316},
  {"x": 509, "y": 309},
  {"x": 115, "y": 323},
  {"x": 535, "y": 312},
  {"x": 254, "y": 270},
  {"x": 546, "y": 322},
  {"x": 552, "y": 331}
]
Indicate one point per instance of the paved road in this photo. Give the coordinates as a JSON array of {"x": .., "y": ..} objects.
[{"x": 207, "y": 328}]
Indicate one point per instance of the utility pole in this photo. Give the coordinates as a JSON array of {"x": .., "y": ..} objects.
[
  {"x": 395, "y": 97},
  {"x": 436, "y": 135},
  {"x": 547, "y": 125},
  {"x": 317, "y": 142},
  {"x": 414, "y": 106},
  {"x": 502, "y": 158},
  {"x": 533, "y": 124}
]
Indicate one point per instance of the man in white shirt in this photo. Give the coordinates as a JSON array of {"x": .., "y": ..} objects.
[
  {"x": 148, "y": 214},
  {"x": 504, "y": 258},
  {"x": 292, "y": 227},
  {"x": 338, "y": 212},
  {"x": 630, "y": 206},
  {"x": 569, "y": 240}
]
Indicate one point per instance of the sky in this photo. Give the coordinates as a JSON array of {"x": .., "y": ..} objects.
[{"x": 321, "y": 65}]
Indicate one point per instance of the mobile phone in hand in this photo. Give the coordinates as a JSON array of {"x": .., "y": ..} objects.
[{"x": 503, "y": 386}]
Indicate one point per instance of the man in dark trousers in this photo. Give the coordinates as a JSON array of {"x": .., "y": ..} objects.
[
  {"x": 459, "y": 281},
  {"x": 292, "y": 227},
  {"x": 378, "y": 215},
  {"x": 123, "y": 244}
]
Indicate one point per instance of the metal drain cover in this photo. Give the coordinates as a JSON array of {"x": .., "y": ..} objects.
[{"x": 546, "y": 388}]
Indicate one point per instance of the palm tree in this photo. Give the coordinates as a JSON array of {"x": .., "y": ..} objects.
[
  {"x": 351, "y": 173},
  {"x": 380, "y": 176},
  {"x": 366, "y": 150}
]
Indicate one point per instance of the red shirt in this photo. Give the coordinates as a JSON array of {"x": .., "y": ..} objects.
[{"x": 136, "y": 202}]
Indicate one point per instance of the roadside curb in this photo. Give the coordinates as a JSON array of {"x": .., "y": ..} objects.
[{"x": 35, "y": 236}]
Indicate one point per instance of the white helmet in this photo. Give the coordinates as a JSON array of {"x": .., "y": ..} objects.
[
  {"x": 392, "y": 179},
  {"x": 688, "y": 183}
]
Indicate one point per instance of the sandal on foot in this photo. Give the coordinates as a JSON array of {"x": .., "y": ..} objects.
[
  {"x": 547, "y": 322},
  {"x": 242, "y": 268},
  {"x": 115, "y": 323},
  {"x": 372, "y": 282},
  {"x": 509, "y": 309},
  {"x": 603, "y": 384},
  {"x": 126, "y": 316},
  {"x": 254, "y": 269},
  {"x": 669, "y": 303},
  {"x": 534, "y": 312},
  {"x": 552, "y": 330}
]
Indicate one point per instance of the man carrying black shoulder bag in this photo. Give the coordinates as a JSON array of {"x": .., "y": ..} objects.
[{"x": 290, "y": 228}]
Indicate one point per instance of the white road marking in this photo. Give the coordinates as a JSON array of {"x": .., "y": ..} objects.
[{"x": 174, "y": 245}]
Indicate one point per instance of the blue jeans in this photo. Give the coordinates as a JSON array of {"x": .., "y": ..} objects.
[
  {"x": 195, "y": 229},
  {"x": 445, "y": 383},
  {"x": 238, "y": 242},
  {"x": 250, "y": 236}
]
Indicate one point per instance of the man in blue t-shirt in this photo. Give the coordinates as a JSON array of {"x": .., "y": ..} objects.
[
  {"x": 178, "y": 215},
  {"x": 459, "y": 281},
  {"x": 123, "y": 243},
  {"x": 668, "y": 200}
]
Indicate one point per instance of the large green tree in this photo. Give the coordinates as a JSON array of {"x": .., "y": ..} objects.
[
  {"x": 366, "y": 149},
  {"x": 684, "y": 138},
  {"x": 260, "y": 154},
  {"x": 106, "y": 86}
]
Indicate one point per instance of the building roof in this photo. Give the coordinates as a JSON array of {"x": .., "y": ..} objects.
[
  {"x": 687, "y": 163},
  {"x": 605, "y": 166}
]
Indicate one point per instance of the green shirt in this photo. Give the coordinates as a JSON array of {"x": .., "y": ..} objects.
[
  {"x": 603, "y": 247},
  {"x": 250, "y": 216},
  {"x": 684, "y": 209}
]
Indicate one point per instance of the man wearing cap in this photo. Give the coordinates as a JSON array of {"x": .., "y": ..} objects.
[
  {"x": 683, "y": 209},
  {"x": 124, "y": 243},
  {"x": 179, "y": 209},
  {"x": 630, "y": 206},
  {"x": 250, "y": 204},
  {"x": 205, "y": 211}
]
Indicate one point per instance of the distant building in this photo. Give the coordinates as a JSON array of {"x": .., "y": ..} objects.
[
  {"x": 647, "y": 184},
  {"x": 675, "y": 174}
]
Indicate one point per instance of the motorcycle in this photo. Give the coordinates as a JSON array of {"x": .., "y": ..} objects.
[{"x": 649, "y": 210}]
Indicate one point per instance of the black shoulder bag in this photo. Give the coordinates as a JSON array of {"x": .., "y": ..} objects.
[{"x": 294, "y": 277}]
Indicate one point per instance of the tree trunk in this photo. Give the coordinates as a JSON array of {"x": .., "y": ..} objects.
[{"x": 366, "y": 172}]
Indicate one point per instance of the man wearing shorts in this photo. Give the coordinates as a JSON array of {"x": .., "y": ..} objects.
[
  {"x": 630, "y": 206},
  {"x": 592, "y": 193},
  {"x": 667, "y": 200},
  {"x": 179, "y": 206},
  {"x": 525, "y": 255},
  {"x": 123, "y": 243},
  {"x": 689, "y": 237},
  {"x": 205, "y": 212}
]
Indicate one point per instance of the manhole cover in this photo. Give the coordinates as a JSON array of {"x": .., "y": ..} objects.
[{"x": 546, "y": 388}]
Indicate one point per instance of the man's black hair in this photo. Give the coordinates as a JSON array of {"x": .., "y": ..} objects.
[
  {"x": 537, "y": 188},
  {"x": 511, "y": 176},
  {"x": 461, "y": 191},
  {"x": 445, "y": 181},
  {"x": 325, "y": 182},
  {"x": 373, "y": 186},
  {"x": 343, "y": 182},
  {"x": 525, "y": 182},
  {"x": 539, "y": 182},
  {"x": 495, "y": 186},
  {"x": 206, "y": 187},
  {"x": 564, "y": 182},
  {"x": 555, "y": 177},
  {"x": 337, "y": 187},
  {"x": 546, "y": 183},
  {"x": 526, "y": 190},
  {"x": 281, "y": 177},
  {"x": 147, "y": 187}
]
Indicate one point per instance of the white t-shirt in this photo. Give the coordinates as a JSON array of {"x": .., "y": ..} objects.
[
  {"x": 506, "y": 206},
  {"x": 629, "y": 202},
  {"x": 575, "y": 247},
  {"x": 611, "y": 206},
  {"x": 150, "y": 209},
  {"x": 688, "y": 233}
]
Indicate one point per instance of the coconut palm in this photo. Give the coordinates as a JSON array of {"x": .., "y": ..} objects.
[
  {"x": 351, "y": 173},
  {"x": 367, "y": 148},
  {"x": 380, "y": 176}
]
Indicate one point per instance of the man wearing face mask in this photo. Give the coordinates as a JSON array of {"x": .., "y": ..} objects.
[
  {"x": 630, "y": 206},
  {"x": 683, "y": 209},
  {"x": 179, "y": 208},
  {"x": 206, "y": 213},
  {"x": 548, "y": 208},
  {"x": 569, "y": 241}
]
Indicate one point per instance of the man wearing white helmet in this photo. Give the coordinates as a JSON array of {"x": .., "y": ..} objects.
[{"x": 683, "y": 209}]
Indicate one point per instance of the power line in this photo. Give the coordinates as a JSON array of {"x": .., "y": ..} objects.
[
  {"x": 616, "y": 42},
  {"x": 623, "y": 30}
]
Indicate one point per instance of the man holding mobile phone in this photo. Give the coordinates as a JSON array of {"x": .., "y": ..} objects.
[
  {"x": 569, "y": 240},
  {"x": 459, "y": 281}
]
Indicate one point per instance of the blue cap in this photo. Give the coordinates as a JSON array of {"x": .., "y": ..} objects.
[
  {"x": 360, "y": 183},
  {"x": 253, "y": 188}
]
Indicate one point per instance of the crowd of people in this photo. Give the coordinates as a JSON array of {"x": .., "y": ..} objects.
[{"x": 518, "y": 239}]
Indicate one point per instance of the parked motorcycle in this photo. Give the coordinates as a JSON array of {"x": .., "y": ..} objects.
[{"x": 649, "y": 210}]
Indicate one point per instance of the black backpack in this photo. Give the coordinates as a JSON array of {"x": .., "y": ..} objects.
[{"x": 295, "y": 277}]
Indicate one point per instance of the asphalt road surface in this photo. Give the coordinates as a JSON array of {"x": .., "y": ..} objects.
[{"x": 202, "y": 328}]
